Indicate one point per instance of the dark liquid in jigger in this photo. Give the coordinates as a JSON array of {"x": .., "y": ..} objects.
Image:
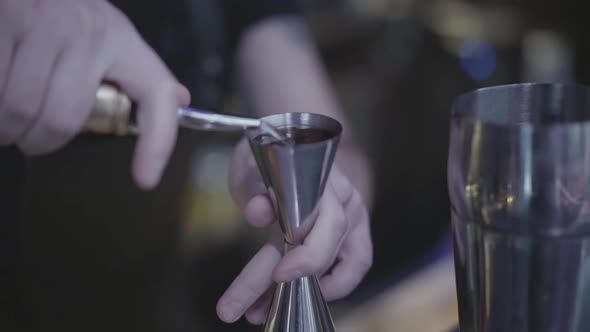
[{"x": 296, "y": 136}]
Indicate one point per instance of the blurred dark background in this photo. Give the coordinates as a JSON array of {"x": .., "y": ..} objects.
[{"x": 396, "y": 66}]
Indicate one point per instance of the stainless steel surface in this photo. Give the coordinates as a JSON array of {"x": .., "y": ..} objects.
[
  {"x": 204, "y": 120},
  {"x": 111, "y": 114},
  {"x": 295, "y": 175},
  {"x": 519, "y": 179},
  {"x": 299, "y": 306}
]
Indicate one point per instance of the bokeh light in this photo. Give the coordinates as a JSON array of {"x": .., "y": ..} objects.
[{"x": 478, "y": 59}]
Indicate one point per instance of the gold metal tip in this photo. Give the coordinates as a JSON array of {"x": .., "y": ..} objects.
[{"x": 110, "y": 113}]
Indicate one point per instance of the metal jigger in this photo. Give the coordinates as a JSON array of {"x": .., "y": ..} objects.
[{"x": 295, "y": 174}]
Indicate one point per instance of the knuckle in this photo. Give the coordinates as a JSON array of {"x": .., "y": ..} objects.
[
  {"x": 341, "y": 290},
  {"x": 358, "y": 204},
  {"x": 168, "y": 87},
  {"x": 356, "y": 200},
  {"x": 342, "y": 186},
  {"x": 162, "y": 89},
  {"x": 113, "y": 16},
  {"x": 366, "y": 260},
  {"x": 158, "y": 97},
  {"x": 18, "y": 113},
  {"x": 340, "y": 224},
  {"x": 311, "y": 264},
  {"x": 92, "y": 21},
  {"x": 167, "y": 92}
]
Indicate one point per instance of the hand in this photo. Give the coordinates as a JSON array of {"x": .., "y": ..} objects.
[
  {"x": 340, "y": 235},
  {"x": 53, "y": 56}
]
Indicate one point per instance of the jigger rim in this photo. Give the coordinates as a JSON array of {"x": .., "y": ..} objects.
[
  {"x": 483, "y": 104},
  {"x": 303, "y": 120}
]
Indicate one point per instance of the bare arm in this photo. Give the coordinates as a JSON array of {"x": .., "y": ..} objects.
[{"x": 280, "y": 72}]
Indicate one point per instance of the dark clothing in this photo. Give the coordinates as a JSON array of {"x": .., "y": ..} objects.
[
  {"x": 197, "y": 38},
  {"x": 81, "y": 248}
]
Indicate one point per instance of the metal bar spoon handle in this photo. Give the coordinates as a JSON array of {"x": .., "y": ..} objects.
[{"x": 114, "y": 113}]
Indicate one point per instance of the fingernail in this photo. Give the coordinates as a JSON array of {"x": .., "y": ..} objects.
[{"x": 232, "y": 311}]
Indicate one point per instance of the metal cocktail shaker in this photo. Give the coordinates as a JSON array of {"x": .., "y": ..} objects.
[{"x": 519, "y": 180}]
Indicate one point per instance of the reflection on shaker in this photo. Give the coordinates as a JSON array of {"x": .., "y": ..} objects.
[{"x": 518, "y": 176}]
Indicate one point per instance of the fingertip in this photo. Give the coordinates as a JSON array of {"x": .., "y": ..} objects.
[
  {"x": 291, "y": 267},
  {"x": 255, "y": 317},
  {"x": 257, "y": 314},
  {"x": 184, "y": 95},
  {"x": 251, "y": 285},
  {"x": 332, "y": 289},
  {"x": 149, "y": 161},
  {"x": 219, "y": 311},
  {"x": 229, "y": 312},
  {"x": 146, "y": 178},
  {"x": 158, "y": 134},
  {"x": 259, "y": 211}
]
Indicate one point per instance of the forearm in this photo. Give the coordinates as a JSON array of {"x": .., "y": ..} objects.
[{"x": 280, "y": 72}]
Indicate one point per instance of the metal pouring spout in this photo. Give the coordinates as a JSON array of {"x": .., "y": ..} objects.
[{"x": 114, "y": 113}]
